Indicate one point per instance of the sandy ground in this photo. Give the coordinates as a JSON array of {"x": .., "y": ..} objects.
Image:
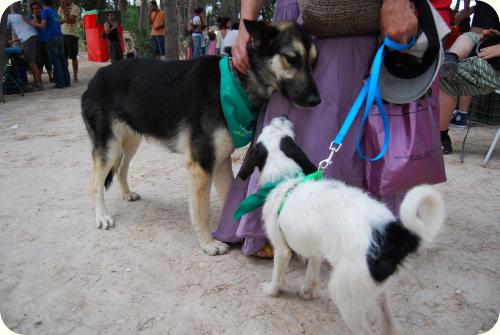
[{"x": 60, "y": 275}]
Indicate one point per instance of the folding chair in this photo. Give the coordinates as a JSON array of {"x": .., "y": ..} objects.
[
  {"x": 12, "y": 71},
  {"x": 492, "y": 147}
]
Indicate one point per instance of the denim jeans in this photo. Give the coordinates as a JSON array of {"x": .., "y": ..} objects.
[
  {"x": 55, "y": 48},
  {"x": 158, "y": 45},
  {"x": 197, "y": 52}
]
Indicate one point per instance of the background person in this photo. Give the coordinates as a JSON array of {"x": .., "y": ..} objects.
[
  {"x": 28, "y": 36},
  {"x": 230, "y": 39},
  {"x": 224, "y": 25},
  {"x": 70, "y": 14},
  {"x": 485, "y": 19},
  {"x": 197, "y": 26},
  {"x": 43, "y": 55},
  {"x": 111, "y": 30},
  {"x": 157, "y": 22},
  {"x": 52, "y": 27}
]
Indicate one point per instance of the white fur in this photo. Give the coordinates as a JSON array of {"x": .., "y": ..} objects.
[{"x": 328, "y": 219}]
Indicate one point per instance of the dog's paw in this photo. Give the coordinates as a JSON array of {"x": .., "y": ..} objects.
[
  {"x": 105, "y": 222},
  {"x": 307, "y": 292},
  {"x": 215, "y": 247},
  {"x": 270, "y": 289},
  {"x": 130, "y": 196}
]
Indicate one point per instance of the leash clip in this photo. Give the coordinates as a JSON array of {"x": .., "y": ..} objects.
[{"x": 326, "y": 162}]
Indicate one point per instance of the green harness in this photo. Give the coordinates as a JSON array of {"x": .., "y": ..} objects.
[
  {"x": 257, "y": 199},
  {"x": 240, "y": 118}
]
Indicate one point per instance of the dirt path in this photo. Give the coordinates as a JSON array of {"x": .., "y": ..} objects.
[{"x": 60, "y": 275}]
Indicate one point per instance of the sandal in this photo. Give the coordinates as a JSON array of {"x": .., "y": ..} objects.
[{"x": 265, "y": 252}]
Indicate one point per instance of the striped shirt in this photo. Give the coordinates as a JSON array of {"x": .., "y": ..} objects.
[{"x": 70, "y": 28}]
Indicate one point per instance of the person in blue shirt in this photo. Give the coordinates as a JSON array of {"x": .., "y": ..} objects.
[
  {"x": 43, "y": 60},
  {"x": 50, "y": 23}
]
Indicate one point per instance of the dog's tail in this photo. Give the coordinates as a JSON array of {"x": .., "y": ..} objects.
[
  {"x": 422, "y": 212},
  {"x": 109, "y": 179}
]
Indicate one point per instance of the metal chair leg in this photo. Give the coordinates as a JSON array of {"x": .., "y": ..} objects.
[{"x": 492, "y": 148}]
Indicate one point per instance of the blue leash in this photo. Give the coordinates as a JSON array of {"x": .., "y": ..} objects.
[{"x": 371, "y": 92}]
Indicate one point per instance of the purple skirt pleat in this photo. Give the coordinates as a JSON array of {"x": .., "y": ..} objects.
[{"x": 343, "y": 63}]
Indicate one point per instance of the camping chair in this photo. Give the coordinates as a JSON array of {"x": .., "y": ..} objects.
[
  {"x": 11, "y": 72},
  {"x": 492, "y": 145}
]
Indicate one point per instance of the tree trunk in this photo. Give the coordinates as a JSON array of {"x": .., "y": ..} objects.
[
  {"x": 236, "y": 11},
  {"x": 3, "y": 26},
  {"x": 190, "y": 12},
  {"x": 143, "y": 15},
  {"x": 172, "y": 35},
  {"x": 122, "y": 7}
]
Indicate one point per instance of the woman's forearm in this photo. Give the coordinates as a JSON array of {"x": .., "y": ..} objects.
[{"x": 250, "y": 8}]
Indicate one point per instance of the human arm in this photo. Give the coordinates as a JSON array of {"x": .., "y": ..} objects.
[
  {"x": 249, "y": 11},
  {"x": 487, "y": 33},
  {"x": 69, "y": 14},
  {"x": 459, "y": 16},
  {"x": 35, "y": 23},
  {"x": 490, "y": 52},
  {"x": 10, "y": 42},
  {"x": 398, "y": 20},
  {"x": 159, "y": 21},
  {"x": 109, "y": 27}
]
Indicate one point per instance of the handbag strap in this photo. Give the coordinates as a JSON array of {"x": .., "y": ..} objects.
[{"x": 371, "y": 93}]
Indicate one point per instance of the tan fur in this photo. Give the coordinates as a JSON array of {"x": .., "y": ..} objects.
[
  {"x": 102, "y": 167},
  {"x": 313, "y": 53},
  {"x": 199, "y": 186},
  {"x": 223, "y": 172},
  {"x": 298, "y": 47},
  {"x": 281, "y": 68},
  {"x": 284, "y": 25},
  {"x": 122, "y": 148}
]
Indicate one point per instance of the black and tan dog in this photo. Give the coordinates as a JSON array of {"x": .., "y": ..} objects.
[{"x": 178, "y": 104}]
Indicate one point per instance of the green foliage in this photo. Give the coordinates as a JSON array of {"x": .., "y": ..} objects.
[{"x": 141, "y": 37}]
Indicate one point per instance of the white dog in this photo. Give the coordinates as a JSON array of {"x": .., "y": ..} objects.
[{"x": 358, "y": 235}]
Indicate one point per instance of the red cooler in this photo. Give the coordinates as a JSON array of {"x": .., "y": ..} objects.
[{"x": 97, "y": 46}]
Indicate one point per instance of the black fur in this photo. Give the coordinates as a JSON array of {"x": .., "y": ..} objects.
[
  {"x": 290, "y": 149},
  {"x": 389, "y": 248},
  {"x": 157, "y": 99},
  {"x": 161, "y": 99},
  {"x": 256, "y": 157},
  {"x": 268, "y": 41},
  {"x": 109, "y": 179}
]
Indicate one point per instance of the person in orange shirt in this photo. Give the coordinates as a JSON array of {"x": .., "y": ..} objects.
[{"x": 157, "y": 22}]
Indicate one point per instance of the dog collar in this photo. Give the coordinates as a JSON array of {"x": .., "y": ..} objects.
[
  {"x": 257, "y": 199},
  {"x": 236, "y": 106}
]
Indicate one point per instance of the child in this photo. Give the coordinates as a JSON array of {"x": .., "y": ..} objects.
[{"x": 212, "y": 42}]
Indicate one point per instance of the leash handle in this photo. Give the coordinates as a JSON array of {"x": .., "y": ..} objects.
[{"x": 371, "y": 92}]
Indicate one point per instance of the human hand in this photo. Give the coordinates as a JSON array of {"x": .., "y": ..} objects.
[
  {"x": 239, "y": 50},
  {"x": 490, "y": 52},
  {"x": 398, "y": 20},
  {"x": 25, "y": 19},
  {"x": 488, "y": 32}
]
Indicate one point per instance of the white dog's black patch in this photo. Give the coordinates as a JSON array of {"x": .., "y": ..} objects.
[{"x": 388, "y": 249}]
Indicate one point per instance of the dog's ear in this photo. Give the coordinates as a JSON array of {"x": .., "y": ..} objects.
[
  {"x": 261, "y": 32},
  {"x": 290, "y": 149},
  {"x": 255, "y": 157}
]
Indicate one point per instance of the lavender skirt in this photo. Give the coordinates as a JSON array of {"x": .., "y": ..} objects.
[{"x": 343, "y": 63}]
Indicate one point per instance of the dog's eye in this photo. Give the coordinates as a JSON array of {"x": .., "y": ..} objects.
[{"x": 293, "y": 60}]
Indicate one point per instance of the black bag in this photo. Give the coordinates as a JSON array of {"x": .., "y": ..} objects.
[{"x": 104, "y": 35}]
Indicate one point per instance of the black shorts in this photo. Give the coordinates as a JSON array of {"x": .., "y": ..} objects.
[
  {"x": 485, "y": 17},
  {"x": 70, "y": 46},
  {"x": 44, "y": 57},
  {"x": 31, "y": 48}
]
